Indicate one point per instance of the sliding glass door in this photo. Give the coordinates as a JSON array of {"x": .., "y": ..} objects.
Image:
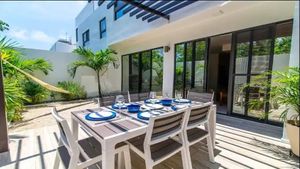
[
  {"x": 143, "y": 71},
  {"x": 257, "y": 51},
  {"x": 190, "y": 66}
]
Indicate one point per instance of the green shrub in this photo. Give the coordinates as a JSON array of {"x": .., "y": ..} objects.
[
  {"x": 77, "y": 91},
  {"x": 14, "y": 99},
  {"x": 35, "y": 92}
]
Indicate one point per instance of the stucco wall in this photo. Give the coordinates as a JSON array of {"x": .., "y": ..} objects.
[
  {"x": 205, "y": 24},
  {"x": 84, "y": 76},
  {"x": 202, "y": 19}
]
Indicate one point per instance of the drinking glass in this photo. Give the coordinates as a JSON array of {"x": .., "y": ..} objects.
[
  {"x": 152, "y": 96},
  {"x": 178, "y": 95},
  {"x": 120, "y": 100}
]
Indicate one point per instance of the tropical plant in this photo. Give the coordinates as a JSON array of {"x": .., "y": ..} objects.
[
  {"x": 14, "y": 99},
  {"x": 283, "y": 90},
  {"x": 76, "y": 91},
  {"x": 35, "y": 92},
  {"x": 17, "y": 70},
  {"x": 98, "y": 61}
]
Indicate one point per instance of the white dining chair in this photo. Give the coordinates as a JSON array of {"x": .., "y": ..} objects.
[
  {"x": 201, "y": 97},
  {"x": 158, "y": 144},
  {"x": 199, "y": 116},
  {"x": 85, "y": 153}
]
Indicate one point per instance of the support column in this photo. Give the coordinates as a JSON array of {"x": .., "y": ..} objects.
[
  {"x": 3, "y": 122},
  {"x": 294, "y": 55},
  {"x": 168, "y": 69}
]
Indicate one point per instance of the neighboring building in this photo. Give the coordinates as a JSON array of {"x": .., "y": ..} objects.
[
  {"x": 204, "y": 46},
  {"x": 63, "y": 45}
]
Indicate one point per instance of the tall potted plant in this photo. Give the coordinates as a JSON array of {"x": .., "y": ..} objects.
[{"x": 284, "y": 91}]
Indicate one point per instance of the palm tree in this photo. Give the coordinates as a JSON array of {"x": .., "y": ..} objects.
[
  {"x": 98, "y": 61},
  {"x": 16, "y": 70}
]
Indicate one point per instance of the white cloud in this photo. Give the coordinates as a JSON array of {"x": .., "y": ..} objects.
[
  {"x": 35, "y": 35},
  {"x": 41, "y": 36},
  {"x": 19, "y": 34}
]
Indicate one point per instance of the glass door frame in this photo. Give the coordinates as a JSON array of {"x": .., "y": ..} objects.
[
  {"x": 271, "y": 34},
  {"x": 184, "y": 87},
  {"x": 140, "y": 76}
]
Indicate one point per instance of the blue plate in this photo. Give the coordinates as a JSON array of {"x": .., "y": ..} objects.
[
  {"x": 100, "y": 116},
  {"x": 182, "y": 101},
  {"x": 115, "y": 106},
  {"x": 145, "y": 115},
  {"x": 149, "y": 101},
  {"x": 176, "y": 107}
]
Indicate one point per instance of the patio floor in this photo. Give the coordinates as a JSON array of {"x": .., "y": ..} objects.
[{"x": 240, "y": 144}]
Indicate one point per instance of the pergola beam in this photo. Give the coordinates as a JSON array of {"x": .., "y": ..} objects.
[
  {"x": 3, "y": 122},
  {"x": 146, "y": 8}
]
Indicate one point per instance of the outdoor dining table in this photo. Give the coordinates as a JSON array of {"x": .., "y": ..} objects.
[{"x": 122, "y": 128}]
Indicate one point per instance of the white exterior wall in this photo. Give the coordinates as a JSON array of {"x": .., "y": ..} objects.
[
  {"x": 199, "y": 20},
  {"x": 294, "y": 61},
  {"x": 60, "y": 61},
  {"x": 62, "y": 47}
]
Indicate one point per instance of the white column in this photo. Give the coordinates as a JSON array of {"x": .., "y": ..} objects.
[
  {"x": 294, "y": 55},
  {"x": 168, "y": 71}
]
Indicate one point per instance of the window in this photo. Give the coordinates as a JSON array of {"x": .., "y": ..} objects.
[
  {"x": 85, "y": 37},
  {"x": 257, "y": 51},
  {"x": 143, "y": 71},
  {"x": 76, "y": 34},
  {"x": 120, "y": 7},
  {"x": 190, "y": 63},
  {"x": 102, "y": 25}
]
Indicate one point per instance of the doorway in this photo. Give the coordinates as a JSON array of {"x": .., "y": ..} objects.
[{"x": 218, "y": 69}]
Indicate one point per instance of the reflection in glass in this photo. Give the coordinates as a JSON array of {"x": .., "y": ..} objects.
[
  {"x": 125, "y": 73},
  {"x": 239, "y": 94},
  {"x": 199, "y": 66},
  {"x": 134, "y": 73},
  {"x": 157, "y": 69},
  {"x": 179, "y": 67},
  {"x": 281, "y": 59},
  {"x": 146, "y": 69},
  {"x": 256, "y": 104},
  {"x": 261, "y": 51},
  {"x": 188, "y": 64},
  {"x": 242, "y": 53}
]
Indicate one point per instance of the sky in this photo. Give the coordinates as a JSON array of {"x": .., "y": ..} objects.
[{"x": 39, "y": 24}]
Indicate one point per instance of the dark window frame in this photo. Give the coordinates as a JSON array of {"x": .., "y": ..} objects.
[
  {"x": 232, "y": 73},
  {"x": 140, "y": 67},
  {"x": 76, "y": 34},
  {"x": 206, "y": 40},
  {"x": 85, "y": 37},
  {"x": 102, "y": 32}
]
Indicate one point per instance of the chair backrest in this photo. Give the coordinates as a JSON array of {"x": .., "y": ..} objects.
[
  {"x": 164, "y": 126},
  {"x": 108, "y": 100},
  {"x": 201, "y": 97},
  {"x": 199, "y": 115},
  {"x": 143, "y": 96},
  {"x": 66, "y": 137},
  {"x": 133, "y": 97}
]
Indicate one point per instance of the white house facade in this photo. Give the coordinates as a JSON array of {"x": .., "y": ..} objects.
[{"x": 199, "y": 46}]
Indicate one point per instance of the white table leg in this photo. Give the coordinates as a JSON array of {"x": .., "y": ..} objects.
[
  {"x": 108, "y": 156},
  {"x": 75, "y": 128}
]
